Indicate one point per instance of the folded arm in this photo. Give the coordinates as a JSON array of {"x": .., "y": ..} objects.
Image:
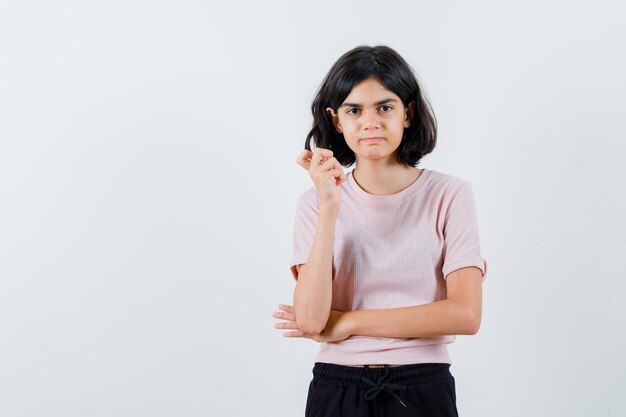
[{"x": 459, "y": 314}]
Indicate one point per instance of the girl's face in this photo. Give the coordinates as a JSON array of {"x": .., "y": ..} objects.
[{"x": 371, "y": 111}]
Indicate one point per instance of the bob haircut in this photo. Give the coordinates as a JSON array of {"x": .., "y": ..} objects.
[{"x": 393, "y": 72}]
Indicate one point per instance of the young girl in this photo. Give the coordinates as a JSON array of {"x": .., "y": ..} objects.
[{"x": 387, "y": 257}]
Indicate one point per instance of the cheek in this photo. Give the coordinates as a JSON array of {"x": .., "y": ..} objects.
[{"x": 348, "y": 125}]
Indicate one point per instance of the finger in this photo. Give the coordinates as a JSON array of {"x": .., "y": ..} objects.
[
  {"x": 337, "y": 164},
  {"x": 284, "y": 315},
  {"x": 340, "y": 174},
  {"x": 336, "y": 172},
  {"x": 304, "y": 159},
  {"x": 286, "y": 307},
  {"x": 331, "y": 164},
  {"x": 304, "y": 155},
  {"x": 299, "y": 333},
  {"x": 288, "y": 325},
  {"x": 318, "y": 156},
  {"x": 335, "y": 175}
]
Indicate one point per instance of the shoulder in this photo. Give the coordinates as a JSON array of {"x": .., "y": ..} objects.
[
  {"x": 309, "y": 198},
  {"x": 446, "y": 184}
]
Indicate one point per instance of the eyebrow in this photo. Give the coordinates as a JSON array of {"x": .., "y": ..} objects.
[{"x": 387, "y": 100}]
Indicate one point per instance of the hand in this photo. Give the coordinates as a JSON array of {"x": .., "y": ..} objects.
[
  {"x": 326, "y": 172},
  {"x": 337, "y": 328}
]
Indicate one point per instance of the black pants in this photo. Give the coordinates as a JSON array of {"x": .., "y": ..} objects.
[{"x": 424, "y": 389}]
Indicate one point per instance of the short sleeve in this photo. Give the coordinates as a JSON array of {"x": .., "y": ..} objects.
[
  {"x": 305, "y": 225},
  {"x": 460, "y": 232}
]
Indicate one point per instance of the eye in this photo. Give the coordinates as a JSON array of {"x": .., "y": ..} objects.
[{"x": 349, "y": 111}]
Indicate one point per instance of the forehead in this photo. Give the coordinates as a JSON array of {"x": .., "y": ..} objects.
[{"x": 370, "y": 92}]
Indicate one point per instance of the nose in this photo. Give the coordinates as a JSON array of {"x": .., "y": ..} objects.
[{"x": 370, "y": 119}]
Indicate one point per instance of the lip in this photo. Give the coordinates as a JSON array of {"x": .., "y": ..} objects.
[{"x": 373, "y": 139}]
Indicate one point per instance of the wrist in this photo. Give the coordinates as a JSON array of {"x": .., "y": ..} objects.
[{"x": 329, "y": 210}]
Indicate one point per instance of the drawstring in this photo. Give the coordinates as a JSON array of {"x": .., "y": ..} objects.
[{"x": 382, "y": 385}]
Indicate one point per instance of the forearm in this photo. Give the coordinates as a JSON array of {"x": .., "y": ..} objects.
[
  {"x": 313, "y": 293},
  {"x": 440, "y": 318}
]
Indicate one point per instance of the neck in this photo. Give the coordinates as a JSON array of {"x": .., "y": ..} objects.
[{"x": 380, "y": 178}]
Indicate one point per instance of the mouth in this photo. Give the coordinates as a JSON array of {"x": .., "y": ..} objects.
[{"x": 373, "y": 140}]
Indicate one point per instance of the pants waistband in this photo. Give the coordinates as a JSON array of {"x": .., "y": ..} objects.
[{"x": 351, "y": 377}]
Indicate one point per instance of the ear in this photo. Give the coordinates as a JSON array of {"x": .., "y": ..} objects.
[
  {"x": 409, "y": 113},
  {"x": 335, "y": 118}
]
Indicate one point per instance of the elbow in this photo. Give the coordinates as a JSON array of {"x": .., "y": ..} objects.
[
  {"x": 309, "y": 323},
  {"x": 473, "y": 329},
  {"x": 467, "y": 319},
  {"x": 473, "y": 324},
  {"x": 309, "y": 328}
]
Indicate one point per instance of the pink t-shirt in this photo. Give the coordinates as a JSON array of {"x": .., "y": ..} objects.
[{"x": 393, "y": 251}]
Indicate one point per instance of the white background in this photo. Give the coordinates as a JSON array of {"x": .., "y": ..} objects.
[{"x": 148, "y": 186}]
